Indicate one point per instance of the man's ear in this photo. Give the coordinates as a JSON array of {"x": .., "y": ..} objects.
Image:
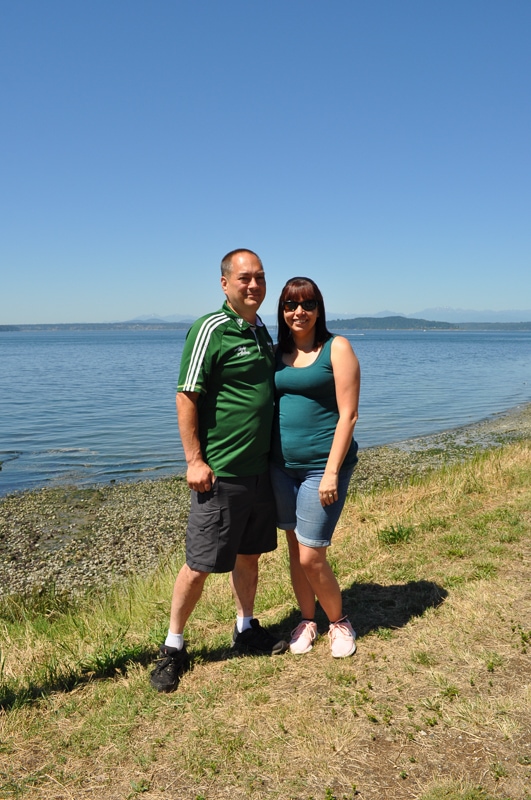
[{"x": 223, "y": 282}]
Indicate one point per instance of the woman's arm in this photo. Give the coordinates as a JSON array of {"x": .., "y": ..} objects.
[{"x": 347, "y": 375}]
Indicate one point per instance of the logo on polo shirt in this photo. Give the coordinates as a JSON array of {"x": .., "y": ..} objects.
[{"x": 242, "y": 350}]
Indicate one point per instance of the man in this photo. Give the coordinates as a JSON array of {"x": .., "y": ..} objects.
[{"x": 225, "y": 412}]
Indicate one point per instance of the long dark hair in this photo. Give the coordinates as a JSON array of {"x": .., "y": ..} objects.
[{"x": 301, "y": 289}]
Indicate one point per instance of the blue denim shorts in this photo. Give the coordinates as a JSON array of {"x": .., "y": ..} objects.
[{"x": 299, "y": 508}]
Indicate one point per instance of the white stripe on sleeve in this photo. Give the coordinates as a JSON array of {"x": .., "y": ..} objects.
[{"x": 199, "y": 349}]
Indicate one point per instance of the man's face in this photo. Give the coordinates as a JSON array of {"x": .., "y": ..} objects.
[{"x": 245, "y": 285}]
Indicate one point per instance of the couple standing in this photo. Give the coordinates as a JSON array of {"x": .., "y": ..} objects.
[{"x": 229, "y": 380}]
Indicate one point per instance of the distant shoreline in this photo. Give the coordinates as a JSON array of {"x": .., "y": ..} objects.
[
  {"x": 356, "y": 323},
  {"x": 97, "y": 326}
]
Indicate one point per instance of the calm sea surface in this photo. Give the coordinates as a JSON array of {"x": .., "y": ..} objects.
[{"x": 93, "y": 406}]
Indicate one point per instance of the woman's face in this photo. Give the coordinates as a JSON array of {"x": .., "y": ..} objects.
[{"x": 300, "y": 314}]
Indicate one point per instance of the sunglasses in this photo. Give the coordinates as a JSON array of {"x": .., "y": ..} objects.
[{"x": 307, "y": 305}]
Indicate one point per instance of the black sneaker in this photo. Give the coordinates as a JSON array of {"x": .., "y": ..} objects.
[
  {"x": 257, "y": 640},
  {"x": 170, "y": 666}
]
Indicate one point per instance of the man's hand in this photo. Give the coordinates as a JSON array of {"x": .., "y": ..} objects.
[{"x": 200, "y": 477}]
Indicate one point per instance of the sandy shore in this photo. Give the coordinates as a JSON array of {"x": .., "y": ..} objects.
[{"x": 75, "y": 539}]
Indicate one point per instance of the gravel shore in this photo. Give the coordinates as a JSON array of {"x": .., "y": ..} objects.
[{"x": 75, "y": 539}]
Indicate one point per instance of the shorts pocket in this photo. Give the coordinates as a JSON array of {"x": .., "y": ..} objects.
[{"x": 204, "y": 521}]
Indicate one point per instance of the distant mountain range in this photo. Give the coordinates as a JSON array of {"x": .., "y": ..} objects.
[
  {"x": 439, "y": 314},
  {"x": 467, "y": 315},
  {"x": 429, "y": 319},
  {"x": 446, "y": 314},
  {"x": 154, "y": 318},
  {"x": 414, "y": 323}
]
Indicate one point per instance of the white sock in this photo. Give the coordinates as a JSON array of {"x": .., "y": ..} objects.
[
  {"x": 175, "y": 640},
  {"x": 242, "y": 623}
]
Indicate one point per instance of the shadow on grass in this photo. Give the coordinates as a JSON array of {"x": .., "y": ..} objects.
[
  {"x": 100, "y": 666},
  {"x": 369, "y": 606}
]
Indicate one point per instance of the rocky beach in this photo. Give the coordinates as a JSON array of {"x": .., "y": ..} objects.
[{"x": 70, "y": 540}]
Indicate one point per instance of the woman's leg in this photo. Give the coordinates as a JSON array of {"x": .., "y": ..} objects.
[
  {"x": 321, "y": 580},
  {"x": 315, "y": 527},
  {"x": 303, "y": 591}
]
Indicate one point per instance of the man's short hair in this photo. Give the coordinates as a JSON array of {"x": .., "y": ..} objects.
[{"x": 226, "y": 261}]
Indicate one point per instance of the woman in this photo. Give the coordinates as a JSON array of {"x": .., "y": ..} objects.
[{"x": 317, "y": 383}]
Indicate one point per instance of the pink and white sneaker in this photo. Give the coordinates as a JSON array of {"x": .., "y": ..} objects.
[
  {"x": 342, "y": 638},
  {"x": 303, "y": 637}
]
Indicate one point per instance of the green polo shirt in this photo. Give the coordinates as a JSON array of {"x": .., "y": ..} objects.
[{"x": 230, "y": 363}]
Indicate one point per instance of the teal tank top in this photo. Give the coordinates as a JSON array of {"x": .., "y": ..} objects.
[{"x": 306, "y": 414}]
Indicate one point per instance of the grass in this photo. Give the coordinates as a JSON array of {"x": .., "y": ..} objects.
[{"x": 435, "y": 705}]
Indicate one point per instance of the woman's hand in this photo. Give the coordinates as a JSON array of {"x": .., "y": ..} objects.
[{"x": 328, "y": 489}]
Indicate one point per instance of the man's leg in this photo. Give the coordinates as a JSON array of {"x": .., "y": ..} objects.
[
  {"x": 186, "y": 593},
  {"x": 253, "y": 638},
  {"x": 174, "y": 659},
  {"x": 244, "y": 582},
  {"x": 258, "y": 533}
]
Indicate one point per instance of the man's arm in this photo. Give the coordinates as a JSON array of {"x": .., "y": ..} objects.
[{"x": 198, "y": 475}]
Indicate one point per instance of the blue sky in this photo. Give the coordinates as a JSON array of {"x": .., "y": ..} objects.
[{"x": 382, "y": 148}]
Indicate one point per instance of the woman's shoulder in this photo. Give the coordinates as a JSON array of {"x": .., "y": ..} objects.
[
  {"x": 341, "y": 352},
  {"x": 339, "y": 343}
]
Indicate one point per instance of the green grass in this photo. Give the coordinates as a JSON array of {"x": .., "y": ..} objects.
[{"x": 396, "y": 534}]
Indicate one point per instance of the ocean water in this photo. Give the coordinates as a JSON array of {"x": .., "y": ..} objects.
[{"x": 87, "y": 407}]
